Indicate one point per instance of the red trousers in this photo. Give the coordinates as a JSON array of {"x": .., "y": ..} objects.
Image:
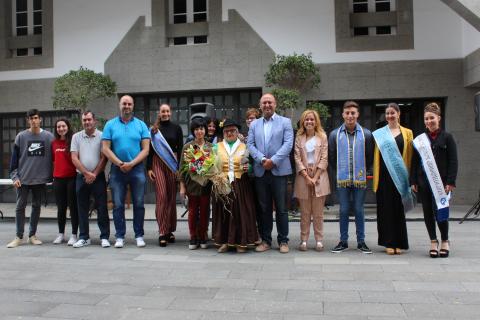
[{"x": 198, "y": 209}]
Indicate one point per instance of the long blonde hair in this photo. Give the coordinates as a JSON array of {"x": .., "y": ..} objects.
[{"x": 318, "y": 124}]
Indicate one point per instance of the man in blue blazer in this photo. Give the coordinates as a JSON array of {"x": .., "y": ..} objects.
[{"x": 270, "y": 140}]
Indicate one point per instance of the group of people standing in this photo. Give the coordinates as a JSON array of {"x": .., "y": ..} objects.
[{"x": 256, "y": 165}]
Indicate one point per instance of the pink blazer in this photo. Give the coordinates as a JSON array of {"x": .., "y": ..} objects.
[{"x": 322, "y": 187}]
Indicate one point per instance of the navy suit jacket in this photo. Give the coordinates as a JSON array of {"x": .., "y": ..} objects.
[{"x": 278, "y": 149}]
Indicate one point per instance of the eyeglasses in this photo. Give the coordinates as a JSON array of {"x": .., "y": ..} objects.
[{"x": 127, "y": 104}]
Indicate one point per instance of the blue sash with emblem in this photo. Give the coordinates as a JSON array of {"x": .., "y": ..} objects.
[{"x": 163, "y": 151}]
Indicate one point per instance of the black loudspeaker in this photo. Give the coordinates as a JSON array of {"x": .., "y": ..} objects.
[
  {"x": 201, "y": 110},
  {"x": 477, "y": 111}
]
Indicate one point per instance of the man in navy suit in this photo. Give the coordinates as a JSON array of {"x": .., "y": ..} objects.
[{"x": 270, "y": 140}]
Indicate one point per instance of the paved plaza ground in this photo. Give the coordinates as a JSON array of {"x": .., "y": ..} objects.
[{"x": 60, "y": 282}]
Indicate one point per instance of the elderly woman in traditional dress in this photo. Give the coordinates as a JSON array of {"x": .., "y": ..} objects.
[
  {"x": 311, "y": 183},
  {"x": 234, "y": 215},
  {"x": 433, "y": 175}
]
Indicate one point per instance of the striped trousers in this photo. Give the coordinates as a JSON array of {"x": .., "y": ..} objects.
[{"x": 165, "y": 195}]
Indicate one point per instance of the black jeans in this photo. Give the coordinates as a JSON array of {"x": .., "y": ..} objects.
[
  {"x": 99, "y": 191},
  {"x": 22, "y": 196},
  {"x": 269, "y": 189},
  {"x": 65, "y": 197},
  {"x": 429, "y": 210}
]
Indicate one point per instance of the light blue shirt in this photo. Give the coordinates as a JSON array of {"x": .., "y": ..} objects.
[
  {"x": 126, "y": 138},
  {"x": 267, "y": 128}
]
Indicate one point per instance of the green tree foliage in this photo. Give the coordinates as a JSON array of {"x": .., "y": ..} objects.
[
  {"x": 297, "y": 72},
  {"x": 78, "y": 88},
  {"x": 287, "y": 99}
]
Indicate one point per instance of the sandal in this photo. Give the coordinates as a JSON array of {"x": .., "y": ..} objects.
[
  {"x": 445, "y": 252},
  {"x": 171, "y": 238},
  {"x": 162, "y": 241},
  {"x": 390, "y": 251},
  {"x": 398, "y": 251},
  {"x": 434, "y": 252}
]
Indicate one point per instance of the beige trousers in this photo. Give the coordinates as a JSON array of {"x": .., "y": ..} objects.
[{"x": 312, "y": 209}]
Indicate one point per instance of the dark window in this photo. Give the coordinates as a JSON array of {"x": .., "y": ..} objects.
[
  {"x": 384, "y": 30},
  {"x": 360, "y": 6},
  {"x": 178, "y": 41},
  {"x": 22, "y": 19},
  {"x": 37, "y": 30},
  {"x": 199, "y": 5},
  {"x": 37, "y": 51},
  {"x": 200, "y": 39},
  {"x": 22, "y": 31},
  {"x": 180, "y": 18},
  {"x": 37, "y": 18},
  {"x": 21, "y": 5},
  {"x": 361, "y": 31},
  {"x": 179, "y": 6},
  {"x": 37, "y": 4},
  {"x": 22, "y": 52},
  {"x": 199, "y": 17},
  {"x": 382, "y": 6}
]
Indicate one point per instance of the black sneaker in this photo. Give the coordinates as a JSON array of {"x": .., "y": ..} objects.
[
  {"x": 341, "y": 246},
  {"x": 363, "y": 247}
]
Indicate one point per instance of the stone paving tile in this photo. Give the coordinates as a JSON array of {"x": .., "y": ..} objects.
[
  {"x": 290, "y": 284},
  {"x": 321, "y": 260},
  {"x": 319, "y": 275},
  {"x": 398, "y": 297},
  {"x": 428, "y": 286},
  {"x": 285, "y": 307},
  {"x": 24, "y": 308},
  {"x": 184, "y": 304},
  {"x": 251, "y": 294},
  {"x": 243, "y": 267},
  {"x": 265, "y": 275},
  {"x": 224, "y": 283},
  {"x": 108, "y": 288},
  {"x": 442, "y": 311},
  {"x": 201, "y": 273},
  {"x": 126, "y": 301},
  {"x": 352, "y": 268},
  {"x": 386, "y": 276},
  {"x": 30, "y": 318},
  {"x": 72, "y": 311},
  {"x": 321, "y": 295},
  {"x": 358, "y": 285},
  {"x": 458, "y": 298},
  {"x": 450, "y": 276},
  {"x": 52, "y": 297},
  {"x": 364, "y": 309},
  {"x": 182, "y": 292},
  {"x": 323, "y": 317},
  {"x": 156, "y": 314},
  {"x": 238, "y": 316},
  {"x": 14, "y": 283},
  {"x": 56, "y": 286}
]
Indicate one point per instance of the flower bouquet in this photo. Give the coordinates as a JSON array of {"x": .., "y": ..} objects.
[{"x": 198, "y": 162}]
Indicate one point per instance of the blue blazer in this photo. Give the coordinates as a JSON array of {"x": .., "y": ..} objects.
[{"x": 278, "y": 149}]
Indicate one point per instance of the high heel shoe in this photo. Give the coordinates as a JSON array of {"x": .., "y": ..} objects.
[
  {"x": 434, "y": 252},
  {"x": 162, "y": 241},
  {"x": 444, "y": 253}
]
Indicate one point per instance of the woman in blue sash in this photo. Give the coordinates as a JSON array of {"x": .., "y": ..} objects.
[
  {"x": 442, "y": 150},
  {"x": 391, "y": 165},
  {"x": 167, "y": 143}
]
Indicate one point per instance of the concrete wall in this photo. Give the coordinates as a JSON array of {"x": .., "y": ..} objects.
[
  {"x": 21, "y": 95},
  {"x": 415, "y": 79},
  {"x": 471, "y": 69},
  {"x": 235, "y": 56}
]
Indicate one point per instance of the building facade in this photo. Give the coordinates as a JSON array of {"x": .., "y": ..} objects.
[{"x": 185, "y": 51}]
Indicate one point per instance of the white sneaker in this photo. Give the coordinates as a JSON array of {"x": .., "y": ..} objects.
[
  {"x": 140, "y": 242},
  {"x": 15, "y": 243},
  {"x": 105, "y": 243},
  {"x": 119, "y": 243},
  {"x": 59, "y": 239},
  {"x": 73, "y": 239},
  {"x": 81, "y": 243}
]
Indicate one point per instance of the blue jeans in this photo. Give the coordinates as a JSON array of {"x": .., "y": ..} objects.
[
  {"x": 268, "y": 188},
  {"x": 118, "y": 184},
  {"x": 98, "y": 189},
  {"x": 347, "y": 196}
]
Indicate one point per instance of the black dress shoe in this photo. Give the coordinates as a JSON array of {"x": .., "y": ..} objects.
[{"x": 171, "y": 238}]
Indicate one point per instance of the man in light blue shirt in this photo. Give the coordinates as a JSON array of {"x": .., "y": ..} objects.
[
  {"x": 126, "y": 142},
  {"x": 270, "y": 140}
]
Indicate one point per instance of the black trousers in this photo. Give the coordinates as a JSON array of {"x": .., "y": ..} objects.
[
  {"x": 66, "y": 197},
  {"x": 429, "y": 215}
]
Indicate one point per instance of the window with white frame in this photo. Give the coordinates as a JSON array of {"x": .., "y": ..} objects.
[
  {"x": 363, "y": 6},
  {"x": 27, "y": 21},
  {"x": 184, "y": 41},
  {"x": 188, "y": 11}
]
